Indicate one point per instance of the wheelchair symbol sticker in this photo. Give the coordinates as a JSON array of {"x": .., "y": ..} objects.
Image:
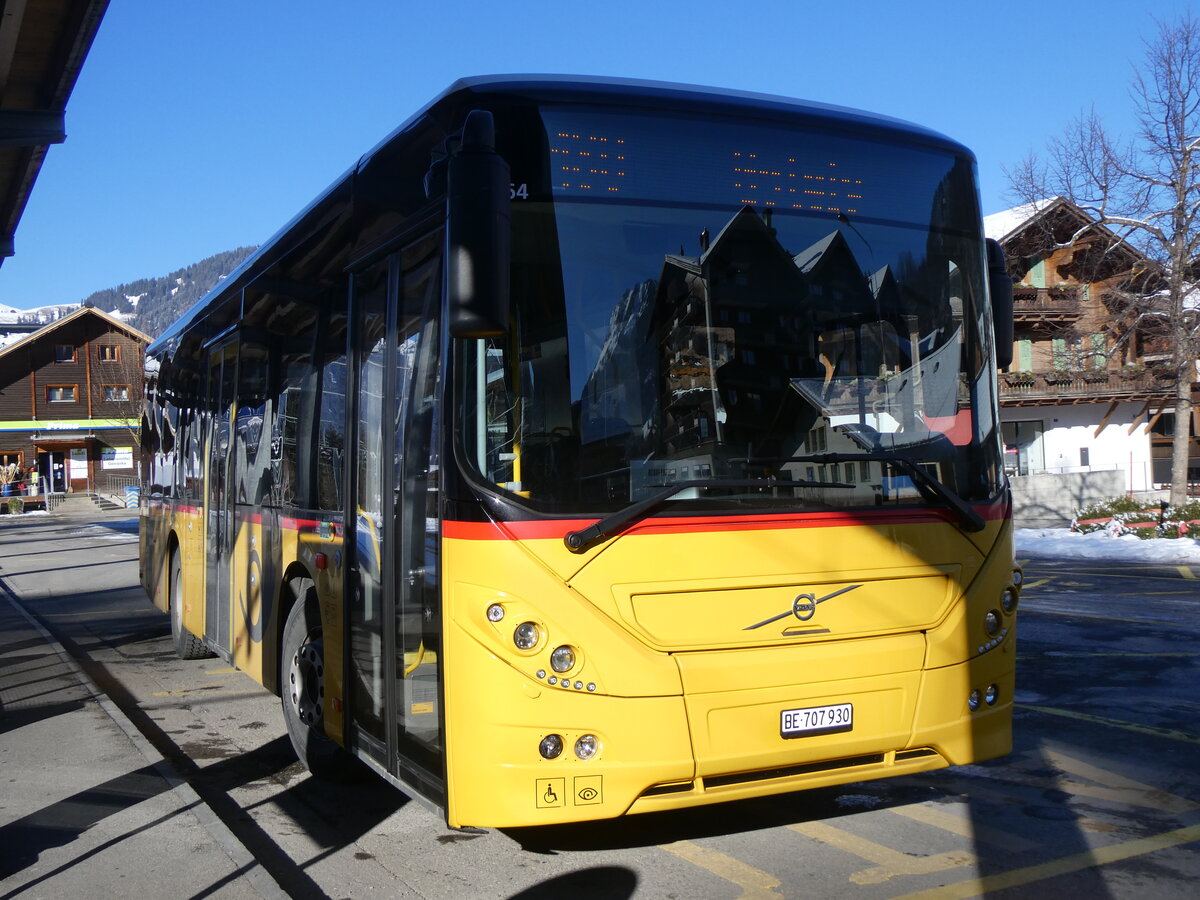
[{"x": 551, "y": 792}]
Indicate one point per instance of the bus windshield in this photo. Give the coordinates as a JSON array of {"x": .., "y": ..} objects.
[{"x": 769, "y": 316}]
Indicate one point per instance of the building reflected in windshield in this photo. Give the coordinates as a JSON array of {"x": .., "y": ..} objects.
[{"x": 748, "y": 351}]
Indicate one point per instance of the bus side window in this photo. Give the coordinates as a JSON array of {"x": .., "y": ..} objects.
[
  {"x": 296, "y": 404},
  {"x": 330, "y": 439}
]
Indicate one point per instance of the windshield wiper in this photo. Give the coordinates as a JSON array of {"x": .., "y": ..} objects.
[
  {"x": 614, "y": 523},
  {"x": 931, "y": 489}
]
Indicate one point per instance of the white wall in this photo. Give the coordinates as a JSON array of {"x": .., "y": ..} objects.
[{"x": 1068, "y": 429}]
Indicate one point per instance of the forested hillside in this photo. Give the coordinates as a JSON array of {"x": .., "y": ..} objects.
[{"x": 151, "y": 304}]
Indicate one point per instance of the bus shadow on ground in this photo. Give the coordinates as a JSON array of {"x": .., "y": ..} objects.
[
  {"x": 333, "y": 814},
  {"x": 600, "y": 882}
]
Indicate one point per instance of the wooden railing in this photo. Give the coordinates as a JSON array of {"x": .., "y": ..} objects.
[
  {"x": 1097, "y": 385},
  {"x": 1058, "y": 302}
]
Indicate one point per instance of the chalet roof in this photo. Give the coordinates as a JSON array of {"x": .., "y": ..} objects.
[
  {"x": 1008, "y": 226},
  {"x": 80, "y": 313}
]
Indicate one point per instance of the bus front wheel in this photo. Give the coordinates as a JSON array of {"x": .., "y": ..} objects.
[{"x": 302, "y": 677}]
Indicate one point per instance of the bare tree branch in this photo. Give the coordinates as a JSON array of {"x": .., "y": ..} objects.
[{"x": 1146, "y": 192}]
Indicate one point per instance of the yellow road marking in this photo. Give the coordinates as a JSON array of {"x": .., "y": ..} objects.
[
  {"x": 963, "y": 827},
  {"x": 754, "y": 883},
  {"x": 1077, "y": 862},
  {"x": 888, "y": 862},
  {"x": 1130, "y": 572},
  {"x": 1114, "y": 723},
  {"x": 1186, "y": 572},
  {"x": 1107, "y": 786}
]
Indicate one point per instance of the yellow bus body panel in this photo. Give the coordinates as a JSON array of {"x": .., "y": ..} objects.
[
  {"x": 194, "y": 561},
  {"x": 685, "y": 695},
  {"x": 245, "y": 595}
]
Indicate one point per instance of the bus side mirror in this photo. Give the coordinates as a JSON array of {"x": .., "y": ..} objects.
[
  {"x": 1000, "y": 287},
  {"x": 478, "y": 234}
]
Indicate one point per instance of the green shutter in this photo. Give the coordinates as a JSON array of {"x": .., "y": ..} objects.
[
  {"x": 1037, "y": 274},
  {"x": 1060, "y": 354}
]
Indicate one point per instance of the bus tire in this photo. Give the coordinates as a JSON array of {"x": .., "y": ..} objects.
[
  {"x": 302, "y": 688},
  {"x": 187, "y": 645}
]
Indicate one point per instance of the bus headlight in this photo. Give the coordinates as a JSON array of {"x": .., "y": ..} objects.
[
  {"x": 526, "y": 636},
  {"x": 587, "y": 746},
  {"x": 1008, "y": 600},
  {"x": 991, "y": 695},
  {"x": 551, "y": 746},
  {"x": 562, "y": 659},
  {"x": 495, "y": 612},
  {"x": 991, "y": 623},
  {"x": 973, "y": 701}
]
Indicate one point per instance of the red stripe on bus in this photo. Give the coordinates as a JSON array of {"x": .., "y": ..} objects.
[{"x": 558, "y": 528}]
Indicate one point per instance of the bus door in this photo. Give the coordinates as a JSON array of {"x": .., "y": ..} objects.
[
  {"x": 394, "y": 608},
  {"x": 254, "y": 529},
  {"x": 219, "y": 492}
]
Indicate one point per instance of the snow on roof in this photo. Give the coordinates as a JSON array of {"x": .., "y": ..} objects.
[{"x": 1000, "y": 225}]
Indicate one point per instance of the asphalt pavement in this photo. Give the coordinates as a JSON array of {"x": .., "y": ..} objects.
[{"x": 88, "y": 807}]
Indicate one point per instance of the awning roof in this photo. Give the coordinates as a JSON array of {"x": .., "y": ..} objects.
[{"x": 42, "y": 47}]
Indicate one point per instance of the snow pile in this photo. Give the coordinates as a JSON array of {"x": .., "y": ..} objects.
[{"x": 1061, "y": 544}]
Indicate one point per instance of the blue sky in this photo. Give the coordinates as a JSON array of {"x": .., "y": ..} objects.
[{"x": 200, "y": 127}]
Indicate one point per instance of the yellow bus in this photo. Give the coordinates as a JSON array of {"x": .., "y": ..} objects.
[{"x": 596, "y": 447}]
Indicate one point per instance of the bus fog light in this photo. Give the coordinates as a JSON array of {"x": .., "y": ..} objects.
[
  {"x": 1008, "y": 600},
  {"x": 551, "y": 746},
  {"x": 495, "y": 612},
  {"x": 991, "y": 694},
  {"x": 526, "y": 636},
  {"x": 562, "y": 659},
  {"x": 991, "y": 623},
  {"x": 587, "y": 746},
  {"x": 973, "y": 701}
]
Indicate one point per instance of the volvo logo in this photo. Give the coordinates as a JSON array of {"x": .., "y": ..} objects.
[{"x": 804, "y": 607}]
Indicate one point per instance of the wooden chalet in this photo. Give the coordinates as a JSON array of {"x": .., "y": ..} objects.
[
  {"x": 1083, "y": 390},
  {"x": 70, "y": 405}
]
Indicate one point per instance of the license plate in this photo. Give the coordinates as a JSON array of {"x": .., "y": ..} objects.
[{"x": 814, "y": 720}]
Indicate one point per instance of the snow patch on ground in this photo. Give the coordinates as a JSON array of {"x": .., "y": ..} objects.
[{"x": 1062, "y": 544}]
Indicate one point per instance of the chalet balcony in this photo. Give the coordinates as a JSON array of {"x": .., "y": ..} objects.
[
  {"x": 1099, "y": 386},
  {"x": 1057, "y": 304}
]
